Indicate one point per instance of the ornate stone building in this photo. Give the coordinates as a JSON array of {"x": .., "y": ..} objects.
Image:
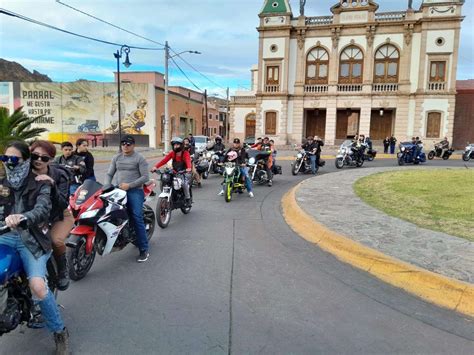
[{"x": 357, "y": 70}]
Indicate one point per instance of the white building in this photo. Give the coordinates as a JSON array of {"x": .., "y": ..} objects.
[{"x": 355, "y": 71}]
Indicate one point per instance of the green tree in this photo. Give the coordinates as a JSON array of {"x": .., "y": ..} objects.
[{"x": 17, "y": 127}]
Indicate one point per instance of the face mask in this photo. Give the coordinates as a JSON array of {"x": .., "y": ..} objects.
[
  {"x": 178, "y": 149},
  {"x": 16, "y": 175}
]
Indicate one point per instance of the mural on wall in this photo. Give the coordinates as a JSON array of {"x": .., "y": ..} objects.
[{"x": 73, "y": 110}]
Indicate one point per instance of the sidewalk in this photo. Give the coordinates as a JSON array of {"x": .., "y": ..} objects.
[{"x": 331, "y": 200}]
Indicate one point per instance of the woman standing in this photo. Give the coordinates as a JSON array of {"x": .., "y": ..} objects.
[
  {"x": 61, "y": 219},
  {"x": 82, "y": 151},
  {"x": 31, "y": 200}
]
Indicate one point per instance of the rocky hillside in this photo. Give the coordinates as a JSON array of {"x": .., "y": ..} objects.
[{"x": 12, "y": 71}]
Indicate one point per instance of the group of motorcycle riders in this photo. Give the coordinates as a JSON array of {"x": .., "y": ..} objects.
[{"x": 35, "y": 190}]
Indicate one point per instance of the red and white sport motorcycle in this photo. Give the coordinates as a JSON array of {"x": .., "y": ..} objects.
[{"x": 102, "y": 224}]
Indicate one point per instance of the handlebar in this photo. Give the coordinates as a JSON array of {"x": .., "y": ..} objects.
[{"x": 5, "y": 229}]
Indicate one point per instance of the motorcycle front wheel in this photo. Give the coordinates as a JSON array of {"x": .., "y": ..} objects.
[
  {"x": 401, "y": 161},
  {"x": 296, "y": 168},
  {"x": 431, "y": 155},
  {"x": 228, "y": 192},
  {"x": 339, "y": 163},
  {"x": 359, "y": 163},
  {"x": 466, "y": 156},
  {"x": 163, "y": 212},
  {"x": 79, "y": 262}
]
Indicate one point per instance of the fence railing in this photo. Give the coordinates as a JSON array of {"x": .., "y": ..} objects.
[
  {"x": 438, "y": 86},
  {"x": 319, "y": 20},
  {"x": 316, "y": 89},
  {"x": 384, "y": 87},
  {"x": 272, "y": 88},
  {"x": 244, "y": 99},
  {"x": 390, "y": 16},
  {"x": 349, "y": 87}
]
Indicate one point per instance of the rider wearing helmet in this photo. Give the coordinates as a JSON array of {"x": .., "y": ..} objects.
[
  {"x": 238, "y": 154},
  {"x": 266, "y": 146},
  {"x": 181, "y": 162}
]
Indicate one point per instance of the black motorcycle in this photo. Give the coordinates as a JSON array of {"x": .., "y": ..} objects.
[
  {"x": 302, "y": 163},
  {"x": 216, "y": 162},
  {"x": 439, "y": 152},
  {"x": 16, "y": 302},
  {"x": 258, "y": 166},
  {"x": 172, "y": 196}
]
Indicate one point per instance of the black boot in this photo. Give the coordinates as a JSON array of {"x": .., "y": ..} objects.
[
  {"x": 63, "y": 272},
  {"x": 62, "y": 342}
]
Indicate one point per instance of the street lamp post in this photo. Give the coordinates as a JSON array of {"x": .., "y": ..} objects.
[
  {"x": 167, "y": 121},
  {"x": 127, "y": 64}
]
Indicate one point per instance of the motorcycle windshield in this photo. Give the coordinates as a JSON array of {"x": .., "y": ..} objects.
[
  {"x": 10, "y": 263},
  {"x": 258, "y": 154},
  {"x": 86, "y": 190}
]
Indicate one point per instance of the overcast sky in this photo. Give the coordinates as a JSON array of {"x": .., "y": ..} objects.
[{"x": 223, "y": 30}]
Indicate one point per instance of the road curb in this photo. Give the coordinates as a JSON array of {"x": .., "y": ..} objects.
[{"x": 437, "y": 289}]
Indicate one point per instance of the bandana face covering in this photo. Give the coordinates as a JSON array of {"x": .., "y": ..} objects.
[{"x": 16, "y": 175}]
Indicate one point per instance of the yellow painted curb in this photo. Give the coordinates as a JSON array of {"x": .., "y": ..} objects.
[{"x": 440, "y": 290}]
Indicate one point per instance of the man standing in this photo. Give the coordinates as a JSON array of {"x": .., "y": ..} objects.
[
  {"x": 132, "y": 173},
  {"x": 192, "y": 141},
  {"x": 386, "y": 144},
  {"x": 393, "y": 142}
]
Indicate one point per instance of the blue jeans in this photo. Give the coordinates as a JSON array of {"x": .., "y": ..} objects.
[
  {"x": 392, "y": 148},
  {"x": 245, "y": 173},
  {"x": 135, "y": 200},
  {"x": 314, "y": 167},
  {"x": 36, "y": 268}
]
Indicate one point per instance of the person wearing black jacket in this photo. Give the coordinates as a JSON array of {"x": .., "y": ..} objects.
[
  {"x": 22, "y": 197},
  {"x": 393, "y": 142},
  {"x": 74, "y": 163},
  {"x": 61, "y": 219},
  {"x": 386, "y": 145},
  {"x": 81, "y": 150},
  {"x": 313, "y": 148}
]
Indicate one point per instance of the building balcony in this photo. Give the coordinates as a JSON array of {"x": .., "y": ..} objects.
[
  {"x": 349, "y": 88},
  {"x": 272, "y": 88},
  {"x": 384, "y": 87},
  {"x": 437, "y": 86},
  {"x": 316, "y": 89},
  {"x": 319, "y": 21},
  {"x": 390, "y": 16}
]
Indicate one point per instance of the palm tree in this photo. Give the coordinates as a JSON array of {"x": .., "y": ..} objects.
[{"x": 16, "y": 127}]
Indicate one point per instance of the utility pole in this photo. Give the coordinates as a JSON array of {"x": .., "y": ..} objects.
[
  {"x": 167, "y": 119},
  {"x": 226, "y": 123},
  {"x": 207, "y": 116}
]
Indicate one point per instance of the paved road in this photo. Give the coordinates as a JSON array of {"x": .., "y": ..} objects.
[{"x": 233, "y": 278}]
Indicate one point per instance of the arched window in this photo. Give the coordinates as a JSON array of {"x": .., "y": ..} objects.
[
  {"x": 317, "y": 64},
  {"x": 350, "y": 67},
  {"x": 387, "y": 60}
]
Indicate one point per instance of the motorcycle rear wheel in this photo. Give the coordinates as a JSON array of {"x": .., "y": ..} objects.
[
  {"x": 228, "y": 192},
  {"x": 205, "y": 175},
  {"x": 431, "y": 155},
  {"x": 359, "y": 163},
  {"x": 446, "y": 156},
  {"x": 339, "y": 163},
  {"x": 163, "y": 212},
  {"x": 79, "y": 262},
  {"x": 149, "y": 218}
]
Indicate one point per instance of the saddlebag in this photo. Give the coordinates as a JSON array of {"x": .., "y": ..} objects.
[
  {"x": 10, "y": 317},
  {"x": 276, "y": 169}
]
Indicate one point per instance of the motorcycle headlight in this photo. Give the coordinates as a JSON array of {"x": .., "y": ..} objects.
[
  {"x": 299, "y": 155},
  {"x": 229, "y": 170},
  {"x": 342, "y": 150},
  {"x": 402, "y": 149},
  {"x": 215, "y": 157},
  {"x": 467, "y": 148},
  {"x": 252, "y": 161},
  {"x": 89, "y": 214},
  {"x": 209, "y": 155}
]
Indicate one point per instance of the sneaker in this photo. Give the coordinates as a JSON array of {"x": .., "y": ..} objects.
[
  {"x": 143, "y": 256},
  {"x": 251, "y": 194},
  {"x": 221, "y": 193},
  {"x": 62, "y": 342},
  {"x": 270, "y": 182}
]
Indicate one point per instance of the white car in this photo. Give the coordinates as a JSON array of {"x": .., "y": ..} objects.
[{"x": 201, "y": 143}]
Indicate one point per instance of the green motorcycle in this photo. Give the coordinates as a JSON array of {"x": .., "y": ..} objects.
[{"x": 232, "y": 180}]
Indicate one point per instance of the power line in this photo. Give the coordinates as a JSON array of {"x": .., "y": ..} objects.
[
  {"x": 108, "y": 23},
  {"x": 182, "y": 72},
  {"x": 21, "y": 17}
]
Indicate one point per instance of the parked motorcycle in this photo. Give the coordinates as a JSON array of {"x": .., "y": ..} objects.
[
  {"x": 439, "y": 152},
  {"x": 405, "y": 156},
  {"x": 172, "y": 197},
  {"x": 232, "y": 180},
  {"x": 16, "y": 302},
  {"x": 468, "y": 152},
  {"x": 102, "y": 224},
  {"x": 347, "y": 157}
]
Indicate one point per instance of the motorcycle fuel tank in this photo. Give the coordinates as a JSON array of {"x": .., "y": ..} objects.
[{"x": 10, "y": 263}]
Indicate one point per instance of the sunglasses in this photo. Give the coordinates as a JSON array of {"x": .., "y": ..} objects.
[
  {"x": 14, "y": 160},
  {"x": 128, "y": 144},
  {"x": 43, "y": 158}
]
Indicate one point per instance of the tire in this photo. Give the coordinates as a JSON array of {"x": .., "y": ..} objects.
[
  {"x": 228, "y": 192},
  {"x": 163, "y": 212},
  {"x": 53, "y": 278},
  {"x": 150, "y": 219},
  {"x": 359, "y": 163},
  {"x": 370, "y": 158},
  {"x": 446, "y": 156},
  {"x": 186, "y": 210},
  {"x": 205, "y": 175},
  {"x": 339, "y": 163},
  {"x": 401, "y": 161},
  {"x": 431, "y": 155},
  {"x": 296, "y": 168},
  {"x": 79, "y": 263},
  {"x": 466, "y": 156}
]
